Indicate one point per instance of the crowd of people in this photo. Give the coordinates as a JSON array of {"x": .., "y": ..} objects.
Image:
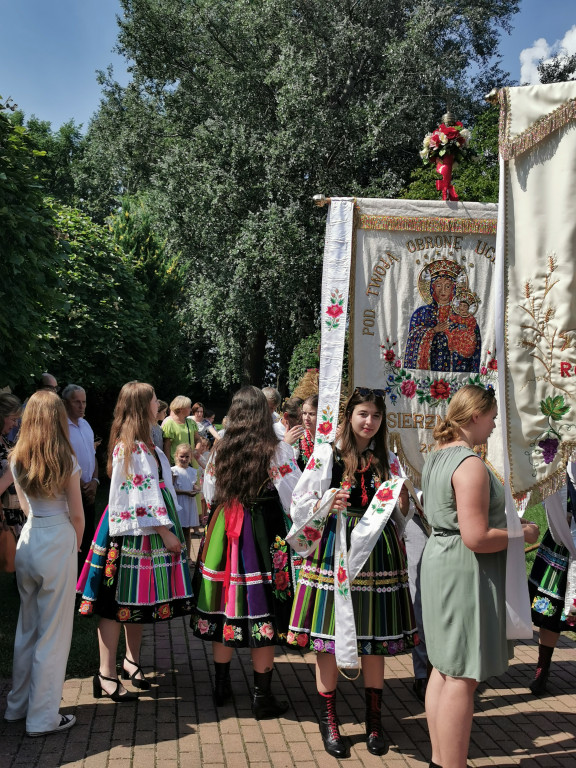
[{"x": 312, "y": 546}]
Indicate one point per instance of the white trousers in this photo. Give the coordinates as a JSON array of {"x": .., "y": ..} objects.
[{"x": 46, "y": 575}]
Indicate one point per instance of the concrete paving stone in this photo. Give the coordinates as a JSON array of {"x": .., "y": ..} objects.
[{"x": 211, "y": 753}]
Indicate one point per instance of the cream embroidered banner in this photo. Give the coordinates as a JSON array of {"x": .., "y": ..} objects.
[
  {"x": 422, "y": 314},
  {"x": 537, "y": 254}
]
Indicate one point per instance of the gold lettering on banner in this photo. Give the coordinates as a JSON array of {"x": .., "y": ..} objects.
[
  {"x": 453, "y": 243},
  {"x": 484, "y": 249},
  {"x": 380, "y": 269},
  {"x": 368, "y": 321},
  {"x": 412, "y": 420}
]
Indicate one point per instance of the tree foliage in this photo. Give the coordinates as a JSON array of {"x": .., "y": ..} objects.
[
  {"x": 27, "y": 256},
  {"x": 558, "y": 69},
  {"x": 239, "y": 112}
]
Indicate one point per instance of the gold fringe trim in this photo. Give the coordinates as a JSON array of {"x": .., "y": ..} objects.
[
  {"x": 395, "y": 442},
  {"x": 428, "y": 224},
  {"x": 553, "y": 482},
  {"x": 537, "y": 132}
]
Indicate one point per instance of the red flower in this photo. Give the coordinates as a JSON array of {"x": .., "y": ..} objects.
[
  {"x": 228, "y": 632},
  {"x": 440, "y": 390},
  {"x": 112, "y": 554},
  {"x": 137, "y": 479},
  {"x": 125, "y": 515},
  {"x": 164, "y": 611},
  {"x": 408, "y": 388},
  {"x": 334, "y": 310},
  {"x": 140, "y": 511},
  {"x": 302, "y": 639},
  {"x": 281, "y": 580},
  {"x": 109, "y": 570},
  {"x": 312, "y": 534},
  {"x": 384, "y": 494},
  {"x": 311, "y": 464},
  {"x": 123, "y": 614},
  {"x": 493, "y": 365},
  {"x": 325, "y": 428},
  {"x": 389, "y": 355},
  {"x": 284, "y": 469},
  {"x": 279, "y": 559},
  {"x": 86, "y": 608},
  {"x": 341, "y": 575}
]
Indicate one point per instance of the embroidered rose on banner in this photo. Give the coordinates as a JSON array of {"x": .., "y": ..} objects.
[
  {"x": 440, "y": 389},
  {"x": 342, "y": 578},
  {"x": 384, "y": 494},
  {"x": 408, "y": 388},
  {"x": 326, "y": 425},
  {"x": 335, "y": 309},
  {"x": 311, "y": 534}
]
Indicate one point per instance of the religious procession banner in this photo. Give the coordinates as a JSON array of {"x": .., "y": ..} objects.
[
  {"x": 537, "y": 284},
  {"x": 421, "y": 312}
]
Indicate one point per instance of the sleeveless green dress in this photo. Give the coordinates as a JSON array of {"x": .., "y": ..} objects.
[{"x": 463, "y": 593}]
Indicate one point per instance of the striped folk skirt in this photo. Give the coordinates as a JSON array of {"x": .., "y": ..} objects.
[
  {"x": 383, "y": 611},
  {"x": 135, "y": 578},
  {"x": 243, "y": 584},
  {"x": 547, "y": 585}
]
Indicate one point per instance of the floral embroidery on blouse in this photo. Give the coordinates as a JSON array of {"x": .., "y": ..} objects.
[
  {"x": 138, "y": 482},
  {"x": 133, "y": 513},
  {"x": 119, "y": 451}
]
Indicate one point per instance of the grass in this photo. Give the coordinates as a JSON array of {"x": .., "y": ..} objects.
[{"x": 83, "y": 659}]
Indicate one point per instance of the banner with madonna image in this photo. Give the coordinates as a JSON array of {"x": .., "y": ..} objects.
[{"x": 422, "y": 313}]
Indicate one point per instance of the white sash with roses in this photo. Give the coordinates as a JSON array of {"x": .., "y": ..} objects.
[{"x": 304, "y": 537}]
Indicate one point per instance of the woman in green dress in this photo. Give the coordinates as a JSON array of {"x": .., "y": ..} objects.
[{"x": 463, "y": 572}]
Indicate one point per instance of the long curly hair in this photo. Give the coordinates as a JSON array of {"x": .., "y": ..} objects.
[
  {"x": 349, "y": 452},
  {"x": 43, "y": 456},
  {"x": 242, "y": 457},
  {"x": 132, "y": 419}
]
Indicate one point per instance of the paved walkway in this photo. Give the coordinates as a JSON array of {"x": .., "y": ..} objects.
[{"x": 176, "y": 725}]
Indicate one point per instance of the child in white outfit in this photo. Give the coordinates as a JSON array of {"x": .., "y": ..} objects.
[{"x": 184, "y": 477}]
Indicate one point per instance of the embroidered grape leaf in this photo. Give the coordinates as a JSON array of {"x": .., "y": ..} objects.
[{"x": 554, "y": 407}]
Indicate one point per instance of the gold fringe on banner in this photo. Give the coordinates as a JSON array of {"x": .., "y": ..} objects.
[
  {"x": 537, "y": 132},
  {"x": 431, "y": 224}
]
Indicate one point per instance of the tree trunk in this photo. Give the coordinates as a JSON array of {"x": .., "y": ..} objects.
[{"x": 253, "y": 360}]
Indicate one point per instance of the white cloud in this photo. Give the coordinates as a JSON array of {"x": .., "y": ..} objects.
[{"x": 540, "y": 49}]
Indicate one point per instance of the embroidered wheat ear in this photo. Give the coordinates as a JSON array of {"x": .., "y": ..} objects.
[
  {"x": 551, "y": 263},
  {"x": 549, "y": 314},
  {"x": 527, "y": 289}
]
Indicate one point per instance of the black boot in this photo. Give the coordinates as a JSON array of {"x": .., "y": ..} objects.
[
  {"x": 333, "y": 742},
  {"x": 264, "y": 704},
  {"x": 375, "y": 740},
  {"x": 538, "y": 685},
  {"x": 222, "y": 683}
]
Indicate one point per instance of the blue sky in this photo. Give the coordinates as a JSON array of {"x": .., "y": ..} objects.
[{"x": 50, "y": 51}]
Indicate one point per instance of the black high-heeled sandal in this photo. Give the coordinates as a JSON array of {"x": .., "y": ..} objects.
[
  {"x": 137, "y": 682},
  {"x": 116, "y": 696}
]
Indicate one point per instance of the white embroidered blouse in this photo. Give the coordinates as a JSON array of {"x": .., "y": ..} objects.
[{"x": 136, "y": 504}]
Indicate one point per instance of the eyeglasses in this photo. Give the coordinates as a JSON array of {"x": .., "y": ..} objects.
[{"x": 363, "y": 391}]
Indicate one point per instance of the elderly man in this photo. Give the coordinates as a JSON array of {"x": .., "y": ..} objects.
[{"x": 82, "y": 439}]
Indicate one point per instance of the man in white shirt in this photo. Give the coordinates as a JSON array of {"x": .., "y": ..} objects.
[{"x": 82, "y": 439}]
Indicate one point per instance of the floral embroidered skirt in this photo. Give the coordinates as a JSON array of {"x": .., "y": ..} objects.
[
  {"x": 135, "y": 578},
  {"x": 385, "y": 624},
  {"x": 243, "y": 586},
  {"x": 547, "y": 585}
]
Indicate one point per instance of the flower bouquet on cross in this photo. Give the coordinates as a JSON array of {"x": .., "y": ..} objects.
[{"x": 445, "y": 146}]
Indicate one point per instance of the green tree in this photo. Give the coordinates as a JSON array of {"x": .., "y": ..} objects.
[
  {"x": 102, "y": 334},
  {"x": 240, "y": 112},
  {"x": 28, "y": 256},
  {"x": 558, "y": 69},
  {"x": 58, "y": 151}
]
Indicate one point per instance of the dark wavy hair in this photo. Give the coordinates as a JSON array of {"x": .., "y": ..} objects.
[
  {"x": 349, "y": 452},
  {"x": 242, "y": 456}
]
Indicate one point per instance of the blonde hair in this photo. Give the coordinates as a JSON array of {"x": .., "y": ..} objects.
[
  {"x": 179, "y": 403},
  {"x": 186, "y": 446},
  {"x": 43, "y": 457},
  {"x": 468, "y": 401},
  {"x": 132, "y": 420}
]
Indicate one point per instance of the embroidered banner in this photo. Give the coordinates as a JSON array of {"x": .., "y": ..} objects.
[
  {"x": 537, "y": 256},
  {"x": 422, "y": 313}
]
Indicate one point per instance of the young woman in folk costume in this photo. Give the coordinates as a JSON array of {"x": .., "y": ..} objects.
[
  {"x": 243, "y": 585},
  {"x": 339, "y": 506},
  {"x": 309, "y": 413},
  {"x": 136, "y": 571}
]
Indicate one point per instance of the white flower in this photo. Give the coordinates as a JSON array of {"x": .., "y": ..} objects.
[
  {"x": 465, "y": 133},
  {"x": 426, "y": 141},
  {"x": 424, "y": 154},
  {"x": 443, "y": 138}
]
